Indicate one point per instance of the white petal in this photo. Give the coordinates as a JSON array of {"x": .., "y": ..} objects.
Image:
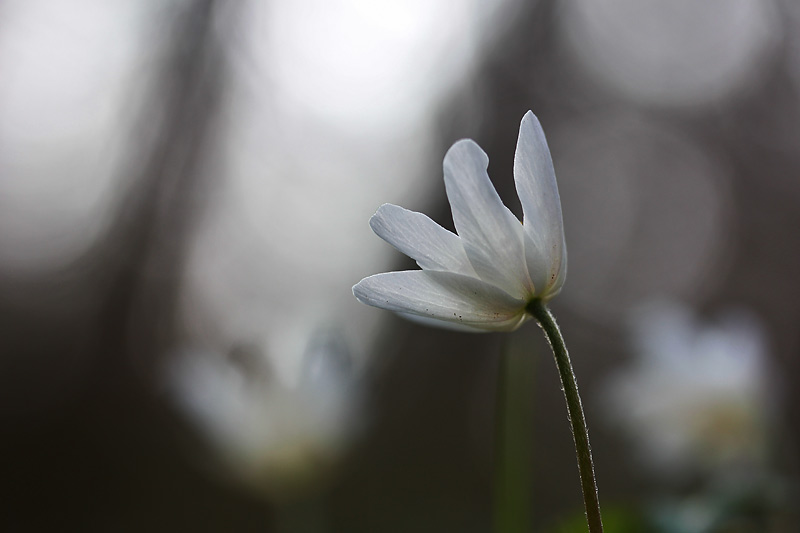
[
  {"x": 422, "y": 239},
  {"x": 555, "y": 286},
  {"x": 492, "y": 235},
  {"x": 547, "y": 271},
  {"x": 541, "y": 206},
  {"x": 443, "y": 296},
  {"x": 435, "y": 322}
]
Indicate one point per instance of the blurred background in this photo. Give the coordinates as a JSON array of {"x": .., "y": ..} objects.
[{"x": 185, "y": 187}]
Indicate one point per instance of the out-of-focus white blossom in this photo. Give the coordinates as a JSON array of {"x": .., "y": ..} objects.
[
  {"x": 697, "y": 396},
  {"x": 276, "y": 437}
]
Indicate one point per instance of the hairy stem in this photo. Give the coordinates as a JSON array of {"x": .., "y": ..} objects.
[{"x": 577, "y": 421}]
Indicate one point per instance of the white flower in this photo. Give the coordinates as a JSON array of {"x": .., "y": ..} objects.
[
  {"x": 484, "y": 277},
  {"x": 277, "y": 437},
  {"x": 697, "y": 396}
]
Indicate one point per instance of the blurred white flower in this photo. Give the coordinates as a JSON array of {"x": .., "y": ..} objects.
[
  {"x": 482, "y": 278},
  {"x": 278, "y": 438},
  {"x": 697, "y": 396}
]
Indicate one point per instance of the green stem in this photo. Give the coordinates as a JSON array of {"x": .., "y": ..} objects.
[
  {"x": 580, "y": 434},
  {"x": 514, "y": 439}
]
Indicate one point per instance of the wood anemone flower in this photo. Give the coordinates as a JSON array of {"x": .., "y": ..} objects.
[{"x": 484, "y": 278}]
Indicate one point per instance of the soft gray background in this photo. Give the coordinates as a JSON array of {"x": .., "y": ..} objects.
[{"x": 193, "y": 195}]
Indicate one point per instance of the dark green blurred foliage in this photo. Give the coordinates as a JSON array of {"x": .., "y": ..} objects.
[{"x": 616, "y": 519}]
